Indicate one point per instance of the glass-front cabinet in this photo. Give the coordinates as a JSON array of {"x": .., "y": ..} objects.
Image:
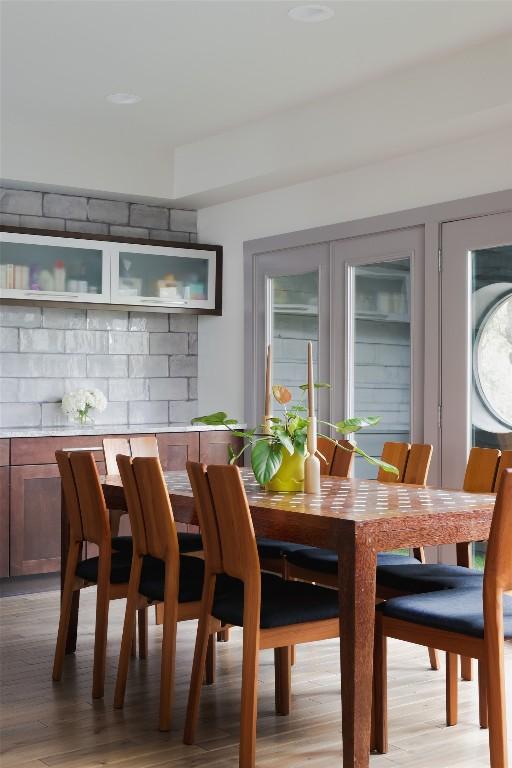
[
  {"x": 53, "y": 268},
  {"x": 156, "y": 276},
  {"x": 74, "y": 270}
]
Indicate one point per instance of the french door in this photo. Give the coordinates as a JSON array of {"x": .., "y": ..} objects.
[{"x": 476, "y": 342}]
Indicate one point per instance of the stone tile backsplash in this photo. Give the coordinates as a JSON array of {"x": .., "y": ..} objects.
[
  {"x": 148, "y": 373},
  {"x": 144, "y": 363}
]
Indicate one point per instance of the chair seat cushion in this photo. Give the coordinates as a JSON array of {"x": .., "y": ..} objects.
[
  {"x": 152, "y": 580},
  {"x": 417, "y": 578},
  {"x": 190, "y": 542},
  {"x": 326, "y": 561},
  {"x": 454, "y": 610},
  {"x": 119, "y": 569},
  {"x": 282, "y": 602},
  {"x": 274, "y": 549},
  {"x": 123, "y": 545}
]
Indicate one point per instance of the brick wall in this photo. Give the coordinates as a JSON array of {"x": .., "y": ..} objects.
[{"x": 144, "y": 363}]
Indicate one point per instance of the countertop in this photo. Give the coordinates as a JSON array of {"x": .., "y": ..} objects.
[{"x": 105, "y": 429}]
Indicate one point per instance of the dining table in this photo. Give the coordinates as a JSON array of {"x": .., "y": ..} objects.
[{"x": 358, "y": 518}]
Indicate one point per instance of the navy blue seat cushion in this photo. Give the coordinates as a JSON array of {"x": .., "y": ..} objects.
[
  {"x": 454, "y": 610},
  {"x": 413, "y": 579},
  {"x": 326, "y": 561},
  {"x": 190, "y": 542},
  {"x": 152, "y": 580},
  {"x": 272, "y": 548},
  {"x": 119, "y": 569},
  {"x": 282, "y": 602},
  {"x": 123, "y": 545}
]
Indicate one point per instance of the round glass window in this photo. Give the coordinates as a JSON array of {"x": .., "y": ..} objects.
[{"x": 493, "y": 360}]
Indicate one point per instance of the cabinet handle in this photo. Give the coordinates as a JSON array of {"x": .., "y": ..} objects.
[
  {"x": 33, "y": 294},
  {"x": 162, "y": 301}
]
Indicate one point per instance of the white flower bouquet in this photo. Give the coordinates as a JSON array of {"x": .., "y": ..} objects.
[{"x": 76, "y": 405}]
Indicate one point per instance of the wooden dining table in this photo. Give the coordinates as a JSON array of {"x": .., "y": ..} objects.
[{"x": 358, "y": 518}]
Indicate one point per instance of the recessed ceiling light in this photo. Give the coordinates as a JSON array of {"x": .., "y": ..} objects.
[
  {"x": 123, "y": 98},
  {"x": 311, "y": 13}
]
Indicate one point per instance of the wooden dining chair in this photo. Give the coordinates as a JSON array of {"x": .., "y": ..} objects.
[
  {"x": 159, "y": 574},
  {"x": 471, "y": 622},
  {"x": 396, "y": 454},
  {"x": 326, "y": 449},
  {"x": 504, "y": 463},
  {"x": 273, "y": 613},
  {"x": 109, "y": 571}
]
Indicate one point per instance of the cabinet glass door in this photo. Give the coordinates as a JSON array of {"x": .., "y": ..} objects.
[
  {"x": 477, "y": 341},
  {"x": 156, "y": 276},
  {"x": 383, "y": 345},
  {"x": 53, "y": 268}
]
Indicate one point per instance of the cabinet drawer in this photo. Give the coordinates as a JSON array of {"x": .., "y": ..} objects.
[
  {"x": 176, "y": 448},
  {"x": 213, "y": 446},
  {"x": 4, "y": 452},
  {"x": 4, "y": 522},
  {"x": 41, "y": 450}
]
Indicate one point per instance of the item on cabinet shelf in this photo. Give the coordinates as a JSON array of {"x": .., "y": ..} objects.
[
  {"x": 59, "y": 275},
  {"x": 35, "y": 271},
  {"x": 72, "y": 286},
  {"x": 46, "y": 280},
  {"x": 7, "y": 275},
  {"x": 197, "y": 291},
  {"x": 77, "y": 405},
  {"x": 166, "y": 288},
  {"x": 130, "y": 286},
  {"x": 278, "y": 447},
  {"x": 83, "y": 286},
  {"x": 93, "y": 289}
]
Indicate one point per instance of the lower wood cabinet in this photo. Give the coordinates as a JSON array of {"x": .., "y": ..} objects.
[
  {"x": 176, "y": 448},
  {"x": 35, "y": 519},
  {"x": 213, "y": 446},
  {"x": 4, "y": 522}
]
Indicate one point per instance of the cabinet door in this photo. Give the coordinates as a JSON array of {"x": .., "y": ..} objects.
[
  {"x": 4, "y": 522},
  {"x": 35, "y": 519},
  {"x": 213, "y": 446},
  {"x": 176, "y": 448},
  {"x": 157, "y": 276},
  {"x": 54, "y": 268}
]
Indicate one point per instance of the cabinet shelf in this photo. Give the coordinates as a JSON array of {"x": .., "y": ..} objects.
[{"x": 71, "y": 269}]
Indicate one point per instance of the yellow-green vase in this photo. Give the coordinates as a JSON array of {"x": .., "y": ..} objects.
[{"x": 290, "y": 476}]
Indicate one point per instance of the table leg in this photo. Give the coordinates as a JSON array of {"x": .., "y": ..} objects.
[
  {"x": 465, "y": 558},
  {"x": 64, "y": 547},
  {"x": 357, "y": 574}
]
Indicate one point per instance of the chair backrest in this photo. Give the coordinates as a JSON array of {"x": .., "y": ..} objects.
[
  {"x": 135, "y": 513},
  {"x": 89, "y": 495},
  {"x": 481, "y": 470},
  {"x": 206, "y": 515},
  {"x": 146, "y": 445},
  {"x": 327, "y": 448},
  {"x": 505, "y": 462},
  {"x": 498, "y": 562},
  {"x": 418, "y": 463},
  {"x": 343, "y": 458},
  {"x": 238, "y": 542},
  {"x": 72, "y": 505},
  {"x": 397, "y": 455},
  {"x": 156, "y": 509},
  {"x": 112, "y": 447}
]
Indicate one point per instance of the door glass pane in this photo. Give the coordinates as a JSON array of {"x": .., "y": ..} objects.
[
  {"x": 36, "y": 267},
  {"x": 382, "y": 355},
  {"x": 491, "y": 328},
  {"x": 163, "y": 275},
  {"x": 293, "y": 322}
]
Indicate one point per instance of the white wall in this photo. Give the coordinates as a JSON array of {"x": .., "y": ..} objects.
[{"x": 471, "y": 167}]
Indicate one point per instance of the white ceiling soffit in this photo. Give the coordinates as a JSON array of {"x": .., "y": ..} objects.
[{"x": 236, "y": 97}]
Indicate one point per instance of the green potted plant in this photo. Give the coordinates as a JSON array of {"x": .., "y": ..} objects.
[{"x": 278, "y": 447}]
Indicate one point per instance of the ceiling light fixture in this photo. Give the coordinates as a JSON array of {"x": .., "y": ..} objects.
[
  {"x": 311, "y": 13},
  {"x": 123, "y": 98}
]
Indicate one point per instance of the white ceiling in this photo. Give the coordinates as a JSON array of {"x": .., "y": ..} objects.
[{"x": 203, "y": 68}]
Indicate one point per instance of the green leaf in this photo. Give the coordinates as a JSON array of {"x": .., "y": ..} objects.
[
  {"x": 285, "y": 440},
  {"x": 266, "y": 458},
  {"x": 298, "y": 408},
  {"x": 377, "y": 462},
  {"x": 348, "y": 426},
  {"x": 231, "y": 455},
  {"x": 299, "y": 442},
  {"x": 320, "y": 385},
  {"x": 213, "y": 419}
]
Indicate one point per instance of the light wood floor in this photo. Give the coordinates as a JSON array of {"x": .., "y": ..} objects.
[{"x": 45, "y": 724}]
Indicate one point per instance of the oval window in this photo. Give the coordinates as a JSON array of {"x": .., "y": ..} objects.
[{"x": 494, "y": 360}]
